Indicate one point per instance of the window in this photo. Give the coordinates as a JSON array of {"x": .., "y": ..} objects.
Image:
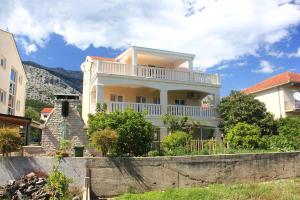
[
  {"x": 12, "y": 93},
  {"x": 116, "y": 98},
  {"x": 45, "y": 116},
  {"x": 2, "y": 96},
  {"x": 156, "y": 100},
  {"x": 3, "y": 62},
  {"x": 140, "y": 99},
  {"x": 13, "y": 75},
  {"x": 179, "y": 102}
]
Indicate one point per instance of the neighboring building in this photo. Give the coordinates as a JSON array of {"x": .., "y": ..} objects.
[
  {"x": 281, "y": 94},
  {"x": 150, "y": 79},
  {"x": 12, "y": 77},
  {"x": 45, "y": 113}
]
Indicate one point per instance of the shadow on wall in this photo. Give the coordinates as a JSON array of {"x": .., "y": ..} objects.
[{"x": 13, "y": 168}]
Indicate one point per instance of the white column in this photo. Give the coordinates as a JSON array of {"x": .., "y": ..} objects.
[
  {"x": 134, "y": 61},
  {"x": 99, "y": 93},
  {"x": 163, "y": 132},
  {"x": 190, "y": 65},
  {"x": 217, "y": 99},
  {"x": 164, "y": 101}
]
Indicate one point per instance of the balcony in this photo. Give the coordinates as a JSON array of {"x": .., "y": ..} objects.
[
  {"x": 155, "y": 73},
  {"x": 292, "y": 105},
  {"x": 156, "y": 109}
]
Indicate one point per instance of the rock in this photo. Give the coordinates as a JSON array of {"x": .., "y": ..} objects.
[
  {"x": 30, "y": 175},
  {"x": 76, "y": 198},
  {"x": 40, "y": 182},
  {"x": 11, "y": 182},
  {"x": 19, "y": 194}
]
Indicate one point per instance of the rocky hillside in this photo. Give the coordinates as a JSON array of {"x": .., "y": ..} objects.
[{"x": 44, "y": 82}]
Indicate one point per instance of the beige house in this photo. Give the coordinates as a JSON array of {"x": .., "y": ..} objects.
[
  {"x": 154, "y": 80},
  {"x": 281, "y": 94},
  {"x": 12, "y": 77}
]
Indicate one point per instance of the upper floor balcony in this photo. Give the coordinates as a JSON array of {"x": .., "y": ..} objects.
[{"x": 153, "y": 72}]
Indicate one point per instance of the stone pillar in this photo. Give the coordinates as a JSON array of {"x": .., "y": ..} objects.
[
  {"x": 163, "y": 132},
  {"x": 134, "y": 61},
  {"x": 99, "y": 94},
  {"x": 217, "y": 100},
  {"x": 164, "y": 101},
  {"x": 190, "y": 65}
]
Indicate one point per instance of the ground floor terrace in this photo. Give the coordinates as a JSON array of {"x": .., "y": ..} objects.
[{"x": 197, "y": 105}]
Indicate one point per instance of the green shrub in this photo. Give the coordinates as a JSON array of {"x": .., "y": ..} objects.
[
  {"x": 153, "y": 153},
  {"x": 175, "y": 140},
  {"x": 178, "y": 151},
  {"x": 134, "y": 132},
  {"x": 10, "y": 140},
  {"x": 104, "y": 140},
  {"x": 58, "y": 184},
  {"x": 244, "y": 135}
]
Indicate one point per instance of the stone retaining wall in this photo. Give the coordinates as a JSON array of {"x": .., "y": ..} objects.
[{"x": 113, "y": 176}]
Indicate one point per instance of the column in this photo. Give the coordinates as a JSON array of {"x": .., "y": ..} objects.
[
  {"x": 99, "y": 93},
  {"x": 134, "y": 61},
  {"x": 216, "y": 99},
  {"x": 190, "y": 65},
  {"x": 164, "y": 101}
]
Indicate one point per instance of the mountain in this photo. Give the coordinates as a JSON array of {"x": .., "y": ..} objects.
[{"x": 44, "y": 82}]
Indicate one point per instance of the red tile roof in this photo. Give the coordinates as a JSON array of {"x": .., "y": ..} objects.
[
  {"x": 47, "y": 110},
  {"x": 280, "y": 79},
  {"x": 102, "y": 58}
]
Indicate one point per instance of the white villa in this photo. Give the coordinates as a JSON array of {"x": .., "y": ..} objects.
[{"x": 155, "y": 80}]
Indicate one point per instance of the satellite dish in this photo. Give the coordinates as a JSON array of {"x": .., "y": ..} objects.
[{"x": 296, "y": 96}]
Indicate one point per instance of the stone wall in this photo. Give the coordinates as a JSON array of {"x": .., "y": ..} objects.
[
  {"x": 113, "y": 176},
  {"x": 51, "y": 133}
]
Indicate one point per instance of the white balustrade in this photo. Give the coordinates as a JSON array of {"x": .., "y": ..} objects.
[
  {"x": 154, "y": 72},
  {"x": 152, "y": 109},
  {"x": 192, "y": 111}
]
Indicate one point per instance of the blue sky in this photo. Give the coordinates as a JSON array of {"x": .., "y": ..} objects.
[{"x": 243, "y": 41}]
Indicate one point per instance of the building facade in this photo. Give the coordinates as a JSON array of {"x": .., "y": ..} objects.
[
  {"x": 280, "y": 94},
  {"x": 155, "y": 80},
  {"x": 12, "y": 77},
  {"x": 45, "y": 113}
]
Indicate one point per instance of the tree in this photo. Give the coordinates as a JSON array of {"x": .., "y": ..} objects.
[
  {"x": 175, "y": 123},
  {"x": 240, "y": 107},
  {"x": 37, "y": 105},
  {"x": 104, "y": 140},
  {"x": 134, "y": 132},
  {"x": 32, "y": 113},
  {"x": 244, "y": 135},
  {"x": 10, "y": 140}
]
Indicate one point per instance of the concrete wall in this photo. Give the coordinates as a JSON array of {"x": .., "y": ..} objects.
[{"x": 113, "y": 176}]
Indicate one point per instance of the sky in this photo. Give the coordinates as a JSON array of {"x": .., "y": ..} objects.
[{"x": 245, "y": 41}]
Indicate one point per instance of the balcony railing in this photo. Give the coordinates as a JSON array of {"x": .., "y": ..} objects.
[
  {"x": 156, "y": 110},
  {"x": 152, "y": 109},
  {"x": 193, "y": 111},
  {"x": 292, "y": 105},
  {"x": 154, "y": 73}
]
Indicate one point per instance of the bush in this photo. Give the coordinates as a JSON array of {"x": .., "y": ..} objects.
[
  {"x": 244, "y": 135},
  {"x": 10, "y": 140},
  {"x": 153, "y": 153},
  {"x": 58, "y": 184},
  {"x": 288, "y": 137},
  {"x": 104, "y": 140},
  {"x": 176, "y": 140},
  {"x": 134, "y": 132},
  {"x": 32, "y": 113}
]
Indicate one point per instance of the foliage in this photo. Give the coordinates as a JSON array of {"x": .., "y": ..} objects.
[
  {"x": 279, "y": 190},
  {"x": 101, "y": 107},
  {"x": 153, "y": 153},
  {"x": 65, "y": 145},
  {"x": 37, "y": 105},
  {"x": 58, "y": 184},
  {"x": 32, "y": 113},
  {"x": 288, "y": 134},
  {"x": 36, "y": 136},
  {"x": 134, "y": 132},
  {"x": 10, "y": 140},
  {"x": 175, "y": 140},
  {"x": 175, "y": 123},
  {"x": 244, "y": 135},
  {"x": 240, "y": 107},
  {"x": 104, "y": 140}
]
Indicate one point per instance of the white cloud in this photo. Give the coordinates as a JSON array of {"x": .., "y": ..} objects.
[
  {"x": 222, "y": 67},
  {"x": 280, "y": 54},
  {"x": 241, "y": 64},
  {"x": 29, "y": 48},
  {"x": 216, "y": 31},
  {"x": 266, "y": 67}
]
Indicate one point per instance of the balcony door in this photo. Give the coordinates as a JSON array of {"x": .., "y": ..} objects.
[
  {"x": 140, "y": 100},
  {"x": 116, "y": 102}
]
